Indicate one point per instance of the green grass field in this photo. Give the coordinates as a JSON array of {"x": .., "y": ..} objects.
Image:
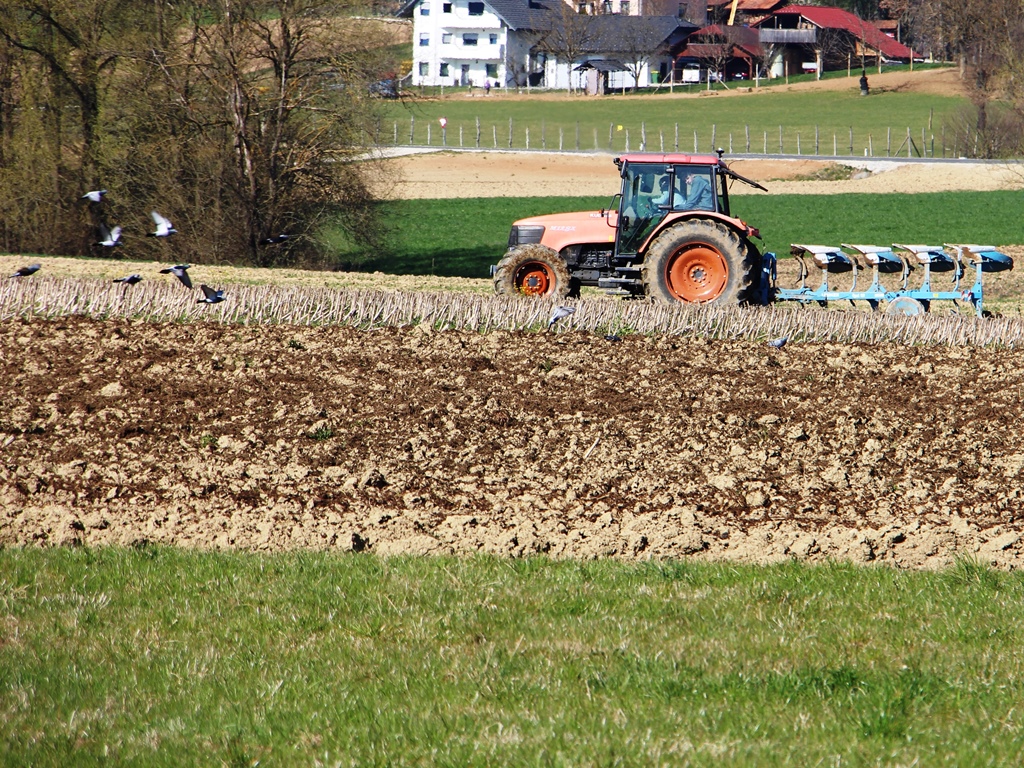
[
  {"x": 159, "y": 656},
  {"x": 879, "y": 121},
  {"x": 462, "y": 238}
]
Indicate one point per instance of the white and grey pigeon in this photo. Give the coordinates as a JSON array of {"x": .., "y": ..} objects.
[
  {"x": 95, "y": 196},
  {"x": 778, "y": 343},
  {"x": 275, "y": 239},
  {"x": 180, "y": 271},
  {"x": 109, "y": 237},
  {"x": 26, "y": 271},
  {"x": 558, "y": 314},
  {"x": 164, "y": 228},
  {"x": 130, "y": 280},
  {"x": 211, "y": 296}
]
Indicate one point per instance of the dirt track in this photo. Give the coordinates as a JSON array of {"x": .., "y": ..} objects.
[{"x": 564, "y": 443}]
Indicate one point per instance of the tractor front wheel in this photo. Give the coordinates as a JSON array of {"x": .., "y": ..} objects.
[
  {"x": 699, "y": 261},
  {"x": 532, "y": 270}
]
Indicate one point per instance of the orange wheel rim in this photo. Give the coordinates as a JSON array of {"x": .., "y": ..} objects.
[
  {"x": 697, "y": 273},
  {"x": 534, "y": 278}
]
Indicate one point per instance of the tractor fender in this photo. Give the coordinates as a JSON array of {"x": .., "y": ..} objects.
[{"x": 738, "y": 226}]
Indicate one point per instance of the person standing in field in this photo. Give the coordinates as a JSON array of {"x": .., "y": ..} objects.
[{"x": 863, "y": 83}]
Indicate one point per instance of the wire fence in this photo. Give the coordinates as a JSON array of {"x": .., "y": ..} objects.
[
  {"x": 903, "y": 141},
  {"x": 369, "y": 309}
]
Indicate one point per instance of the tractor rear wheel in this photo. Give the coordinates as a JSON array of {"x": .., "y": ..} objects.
[
  {"x": 699, "y": 261},
  {"x": 532, "y": 270}
]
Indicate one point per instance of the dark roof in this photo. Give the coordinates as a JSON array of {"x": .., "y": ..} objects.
[
  {"x": 602, "y": 65},
  {"x": 621, "y": 33},
  {"x": 828, "y": 17}
]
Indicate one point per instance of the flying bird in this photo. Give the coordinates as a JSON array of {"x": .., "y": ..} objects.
[
  {"x": 109, "y": 237},
  {"x": 95, "y": 196},
  {"x": 211, "y": 296},
  {"x": 275, "y": 239},
  {"x": 778, "y": 343},
  {"x": 180, "y": 271},
  {"x": 130, "y": 280},
  {"x": 26, "y": 271},
  {"x": 164, "y": 228},
  {"x": 559, "y": 314}
]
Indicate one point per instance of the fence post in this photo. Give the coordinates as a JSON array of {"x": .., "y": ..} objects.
[
  {"x": 851, "y": 140},
  {"x": 478, "y": 133},
  {"x": 396, "y": 133},
  {"x": 595, "y": 140},
  {"x": 695, "y": 148},
  {"x": 816, "y": 140},
  {"x": 560, "y": 135},
  {"x": 510, "y": 133},
  {"x": 835, "y": 146},
  {"x": 527, "y": 137},
  {"x": 871, "y": 148},
  {"x": 714, "y": 141},
  {"x": 494, "y": 128},
  {"x": 460, "y": 134},
  {"x": 611, "y": 134},
  {"x": 543, "y": 135},
  {"x": 746, "y": 131},
  {"x": 627, "y": 140},
  {"x": 643, "y": 135},
  {"x": 677, "y": 137},
  {"x": 909, "y": 143},
  {"x": 661, "y": 140},
  {"x": 888, "y": 141},
  {"x": 798, "y": 143},
  {"x": 412, "y": 129},
  {"x": 730, "y": 142},
  {"x": 765, "y": 152}
]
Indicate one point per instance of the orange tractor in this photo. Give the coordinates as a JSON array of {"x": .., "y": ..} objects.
[{"x": 668, "y": 235}]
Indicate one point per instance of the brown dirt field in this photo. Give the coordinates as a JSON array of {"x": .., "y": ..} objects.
[
  {"x": 458, "y": 174},
  {"x": 565, "y": 444}
]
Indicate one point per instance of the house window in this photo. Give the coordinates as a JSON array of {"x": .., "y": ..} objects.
[
  {"x": 424, "y": 69},
  {"x": 468, "y": 39},
  {"x": 494, "y": 39},
  {"x": 446, "y": 8},
  {"x": 424, "y": 39},
  {"x": 424, "y": 8},
  {"x": 446, "y": 37},
  {"x": 624, "y": 7},
  {"x": 492, "y": 70},
  {"x": 444, "y": 69},
  {"x": 476, "y": 9}
]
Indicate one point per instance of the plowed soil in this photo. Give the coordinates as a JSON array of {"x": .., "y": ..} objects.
[{"x": 409, "y": 440}]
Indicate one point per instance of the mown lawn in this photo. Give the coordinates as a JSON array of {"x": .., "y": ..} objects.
[
  {"x": 462, "y": 238},
  {"x": 162, "y": 656}
]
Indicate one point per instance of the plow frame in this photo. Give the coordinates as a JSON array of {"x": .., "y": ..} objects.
[{"x": 904, "y": 300}]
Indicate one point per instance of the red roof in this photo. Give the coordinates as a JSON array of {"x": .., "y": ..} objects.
[
  {"x": 747, "y": 6},
  {"x": 836, "y": 18}
]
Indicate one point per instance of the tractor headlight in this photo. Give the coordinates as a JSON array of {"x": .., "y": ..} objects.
[{"x": 524, "y": 235}]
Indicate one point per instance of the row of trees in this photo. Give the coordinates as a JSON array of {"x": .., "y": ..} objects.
[{"x": 238, "y": 119}]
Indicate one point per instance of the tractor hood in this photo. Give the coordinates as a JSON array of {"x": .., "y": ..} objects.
[{"x": 558, "y": 230}]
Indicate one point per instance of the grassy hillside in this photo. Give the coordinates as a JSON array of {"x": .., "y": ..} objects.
[{"x": 829, "y": 113}]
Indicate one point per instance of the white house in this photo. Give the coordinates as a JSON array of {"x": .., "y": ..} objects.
[
  {"x": 510, "y": 43},
  {"x": 463, "y": 42}
]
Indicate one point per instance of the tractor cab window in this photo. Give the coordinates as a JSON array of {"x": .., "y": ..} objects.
[
  {"x": 645, "y": 196},
  {"x": 696, "y": 188}
]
